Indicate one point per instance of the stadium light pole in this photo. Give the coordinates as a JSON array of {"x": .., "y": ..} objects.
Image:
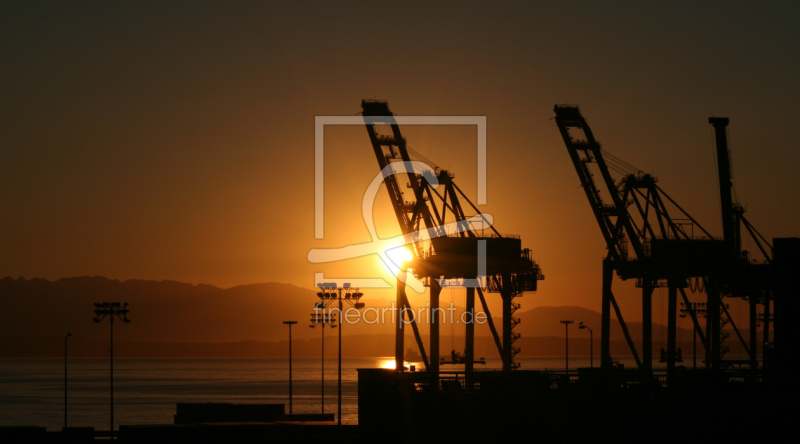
[
  {"x": 566, "y": 324},
  {"x": 322, "y": 318},
  {"x": 65, "y": 378},
  {"x": 290, "y": 323},
  {"x": 111, "y": 310},
  {"x": 330, "y": 293}
]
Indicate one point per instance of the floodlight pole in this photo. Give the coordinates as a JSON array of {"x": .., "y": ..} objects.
[
  {"x": 111, "y": 310},
  {"x": 111, "y": 354},
  {"x": 290, "y": 323},
  {"x": 332, "y": 321},
  {"x": 322, "y": 319},
  {"x": 566, "y": 325},
  {"x": 65, "y": 378},
  {"x": 328, "y": 293}
]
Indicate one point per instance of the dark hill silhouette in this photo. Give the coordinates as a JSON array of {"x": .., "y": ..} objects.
[
  {"x": 160, "y": 310},
  {"x": 176, "y": 312}
]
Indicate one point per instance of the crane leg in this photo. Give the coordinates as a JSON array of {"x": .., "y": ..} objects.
[
  {"x": 672, "y": 321},
  {"x": 436, "y": 289},
  {"x": 470, "y": 340},
  {"x": 714, "y": 309},
  {"x": 605, "y": 325},
  {"x": 505, "y": 293},
  {"x": 647, "y": 325},
  {"x": 399, "y": 346}
]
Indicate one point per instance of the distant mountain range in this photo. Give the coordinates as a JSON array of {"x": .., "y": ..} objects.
[
  {"x": 248, "y": 318},
  {"x": 159, "y": 310}
]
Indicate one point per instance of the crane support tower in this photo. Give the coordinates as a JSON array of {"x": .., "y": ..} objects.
[
  {"x": 651, "y": 239},
  {"x": 447, "y": 257}
]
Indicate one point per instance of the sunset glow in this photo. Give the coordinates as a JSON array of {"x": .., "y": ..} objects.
[
  {"x": 290, "y": 198},
  {"x": 399, "y": 255},
  {"x": 389, "y": 363}
]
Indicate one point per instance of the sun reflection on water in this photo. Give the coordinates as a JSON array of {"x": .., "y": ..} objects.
[{"x": 389, "y": 363}]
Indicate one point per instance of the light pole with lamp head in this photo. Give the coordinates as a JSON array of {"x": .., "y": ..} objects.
[
  {"x": 111, "y": 310},
  {"x": 290, "y": 323},
  {"x": 317, "y": 318},
  {"x": 329, "y": 293},
  {"x": 566, "y": 324},
  {"x": 591, "y": 343},
  {"x": 65, "y": 378}
]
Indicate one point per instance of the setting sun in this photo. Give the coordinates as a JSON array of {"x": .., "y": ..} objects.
[{"x": 399, "y": 255}]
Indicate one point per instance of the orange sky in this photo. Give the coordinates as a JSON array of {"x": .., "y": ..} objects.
[{"x": 176, "y": 141}]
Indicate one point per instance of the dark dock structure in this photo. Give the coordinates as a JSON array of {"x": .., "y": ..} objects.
[{"x": 651, "y": 240}]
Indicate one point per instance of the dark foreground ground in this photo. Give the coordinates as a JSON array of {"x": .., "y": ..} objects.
[{"x": 526, "y": 407}]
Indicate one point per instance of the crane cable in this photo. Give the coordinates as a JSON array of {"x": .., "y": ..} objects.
[
  {"x": 420, "y": 157},
  {"x": 620, "y": 164}
]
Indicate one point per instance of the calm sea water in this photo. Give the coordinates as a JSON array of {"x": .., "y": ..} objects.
[{"x": 146, "y": 390}]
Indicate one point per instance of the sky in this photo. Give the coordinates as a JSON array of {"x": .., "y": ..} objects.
[{"x": 175, "y": 140}]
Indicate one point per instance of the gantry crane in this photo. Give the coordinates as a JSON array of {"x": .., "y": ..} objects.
[
  {"x": 441, "y": 254},
  {"x": 648, "y": 244}
]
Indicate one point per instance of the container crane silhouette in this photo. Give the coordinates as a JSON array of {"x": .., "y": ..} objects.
[
  {"x": 652, "y": 239},
  {"x": 445, "y": 257}
]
